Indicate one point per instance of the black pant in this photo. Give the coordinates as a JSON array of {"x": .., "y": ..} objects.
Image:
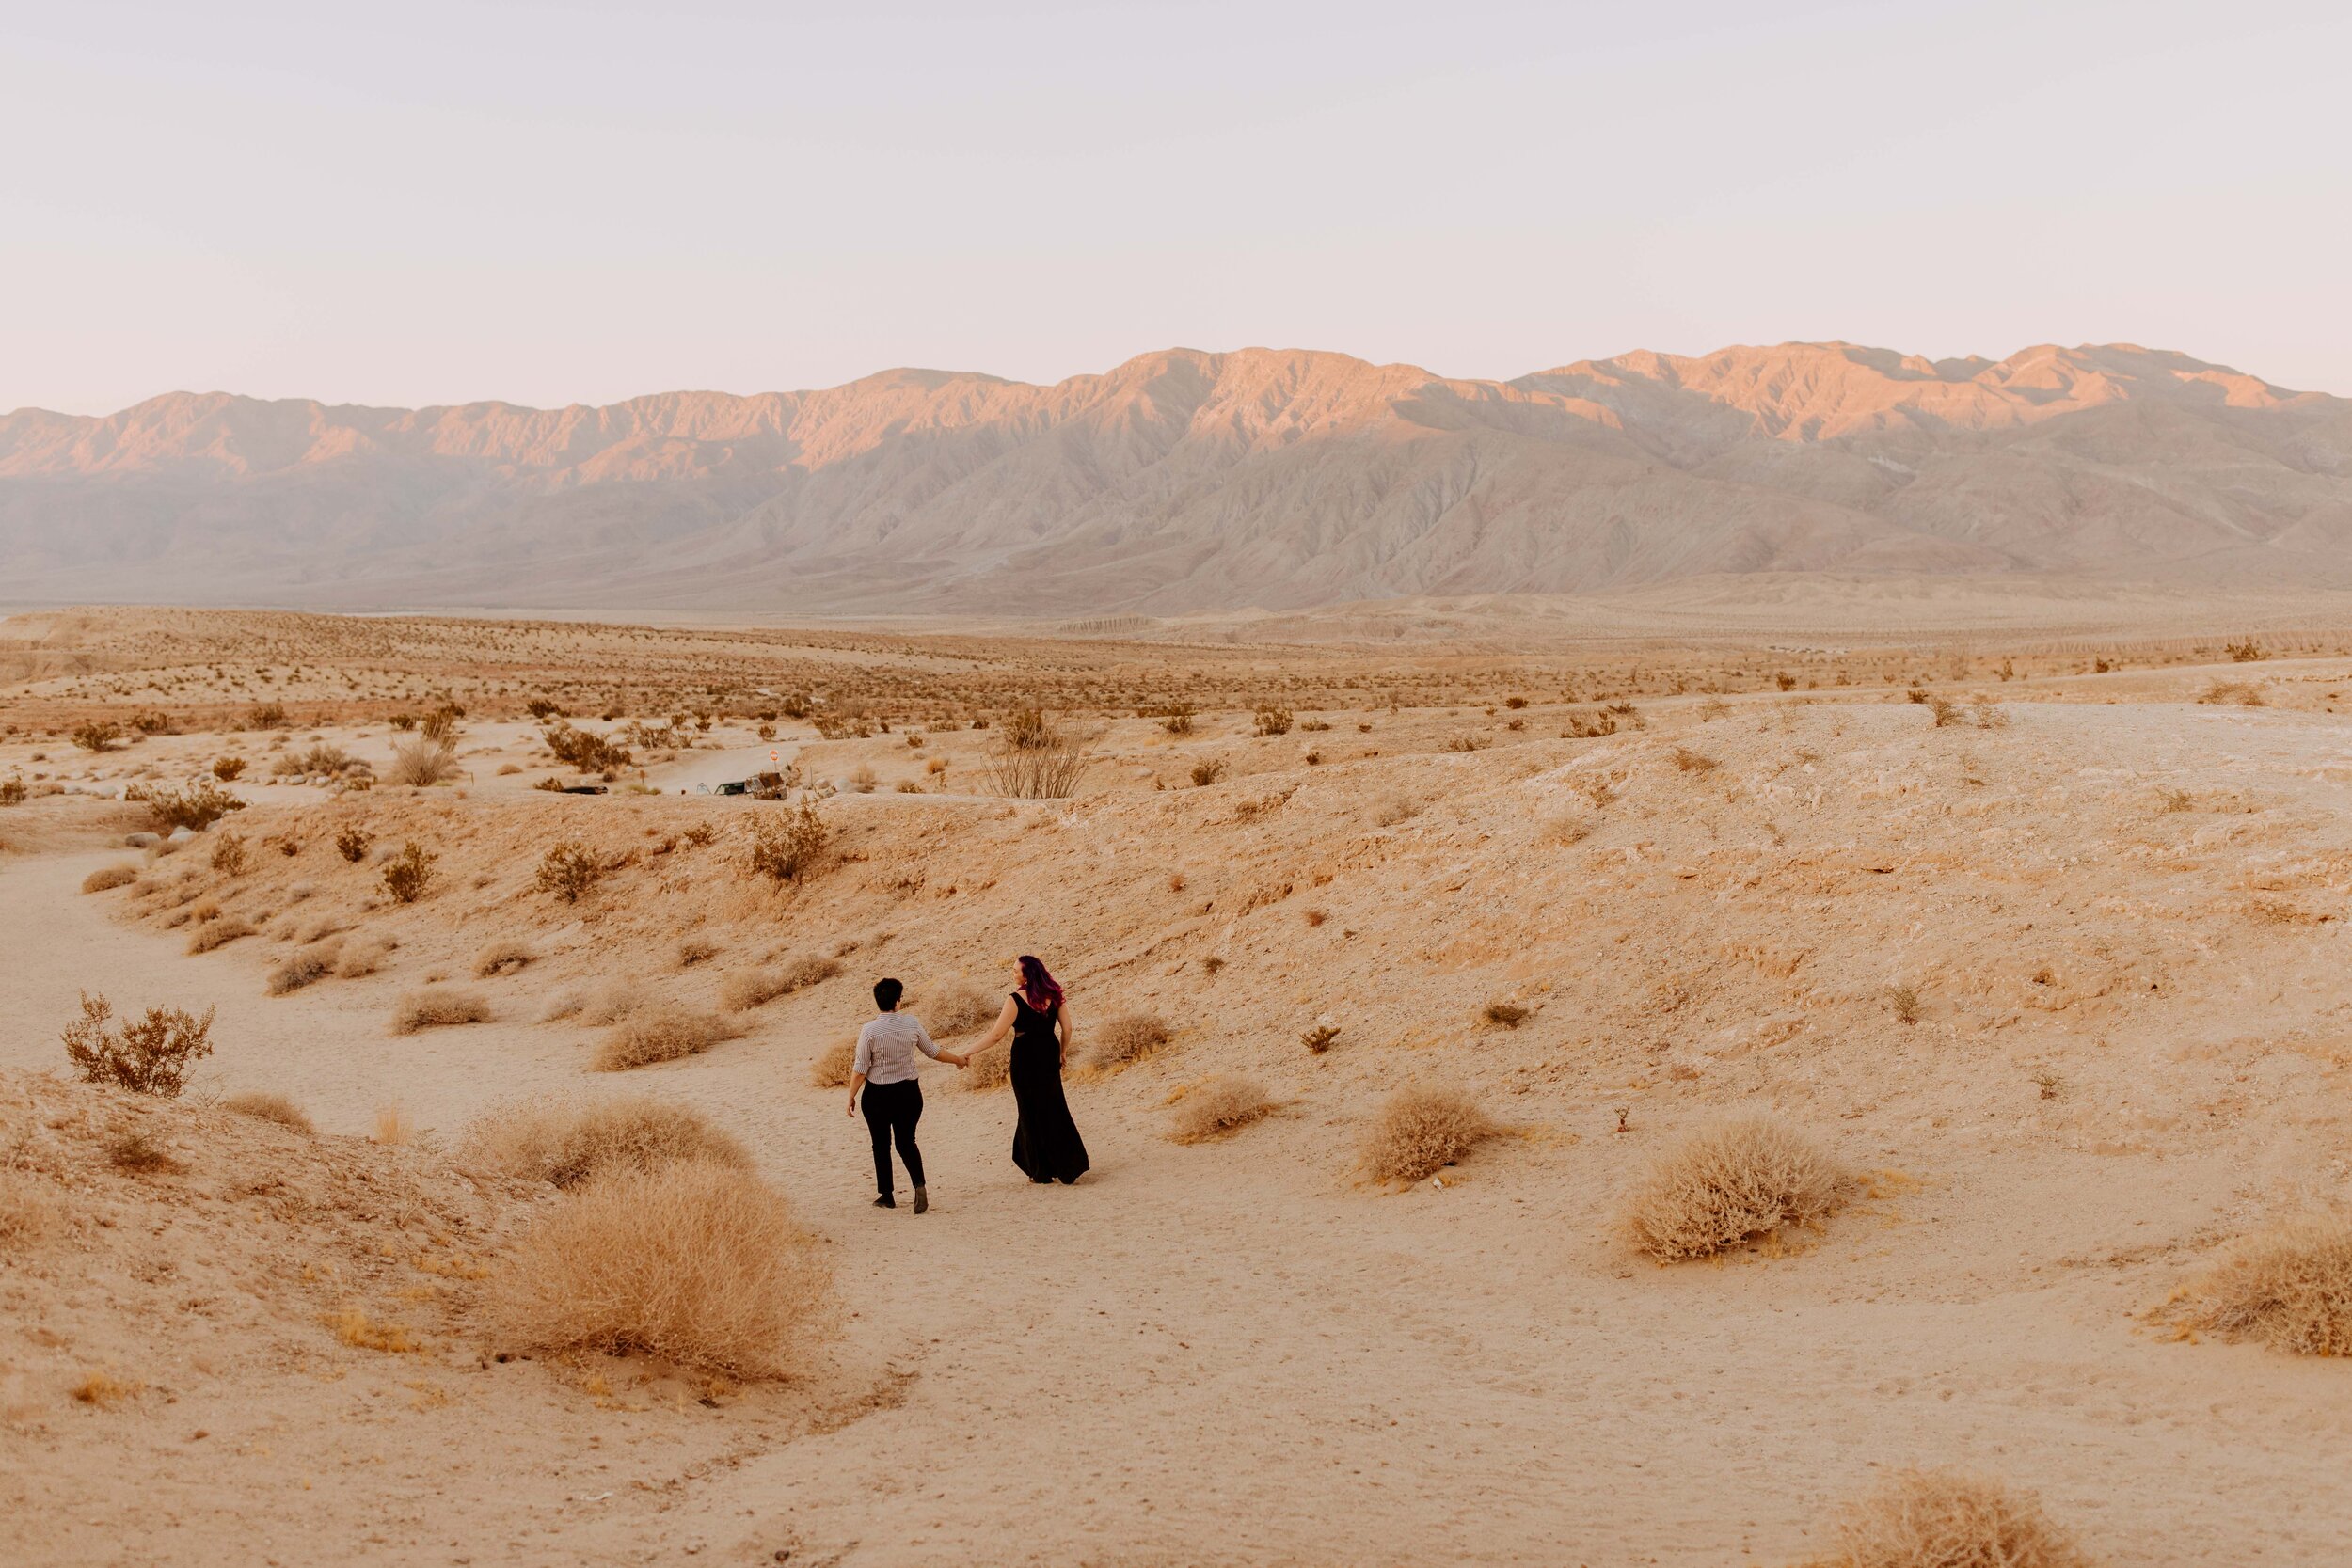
[{"x": 893, "y": 1109}]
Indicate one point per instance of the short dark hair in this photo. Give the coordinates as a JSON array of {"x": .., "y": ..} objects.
[{"x": 886, "y": 994}]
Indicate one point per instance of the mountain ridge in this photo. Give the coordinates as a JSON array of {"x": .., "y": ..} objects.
[{"x": 1186, "y": 480}]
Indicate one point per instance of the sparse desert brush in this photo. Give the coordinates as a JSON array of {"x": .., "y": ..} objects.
[
  {"x": 107, "y": 877},
  {"x": 228, "y": 855},
  {"x": 693, "y": 1262},
  {"x": 393, "y": 1127},
  {"x": 567, "y": 1143},
  {"x": 226, "y": 769},
  {"x": 751, "y": 987},
  {"x": 217, "y": 933},
  {"x": 2287, "y": 1285},
  {"x": 502, "y": 957},
  {"x": 1036, "y": 761},
  {"x": 30, "y": 1209},
  {"x": 1904, "y": 1002},
  {"x": 437, "y": 1007},
  {"x": 426, "y": 760},
  {"x": 269, "y": 1107},
  {"x": 2240, "y": 692},
  {"x": 787, "y": 847},
  {"x": 835, "y": 1065},
  {"x": 103, "y": 1388},
  {"x": 98, "y": 734},
  {"x": 696, "y": 950},
  {"x": 151, "y": 1056},
  {"x": 1318, "y": 1035},
  {"x": 1507, "y": 1015},
  {"x": 1688, "y": 761},
  {"x": 571, "y": 871},
  {"x": 1207, "y": 771},
  {"x": 700, "y": 837},
  {"x": 961, "y": 1010},
  {"x": 306, "y": 968},
  {"x": 991, "y": 1070},
  {"x": 1128, "y": 1039},
  {"x": 1221, "y": 1106},
  {"x": 353, "y": 1327},
  {"x": 1566, "y": 829},
  {"x": 195, "y": 807},
  {"x": 1273, "y": 721},
  {"x": 134, "y": 1153},
  {"x": 409, "y": 873},
  {"x": 606, "y": 1004},
  {"x": 1422, "y": 1129},
  {"x": 352, "y": 844},
  {"x": 1398, "y": 809},
  {"x": 660, "y": 1036},
  {"x": 1730, "y": 1183},
  {"x": 1938, "y": 1519},
  {"x": 362, "y": 958}
]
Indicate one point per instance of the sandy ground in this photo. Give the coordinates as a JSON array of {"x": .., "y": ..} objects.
[{"x": 2133, "y": 1044}]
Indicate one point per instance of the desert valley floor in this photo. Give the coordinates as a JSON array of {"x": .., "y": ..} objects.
[{"x": 2047, "y": 944}]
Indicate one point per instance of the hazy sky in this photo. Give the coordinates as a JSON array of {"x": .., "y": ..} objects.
[{"x": 547, "y": 203}]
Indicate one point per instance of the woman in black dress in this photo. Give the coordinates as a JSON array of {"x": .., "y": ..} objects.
[{"x": 1046, "y": 1142}]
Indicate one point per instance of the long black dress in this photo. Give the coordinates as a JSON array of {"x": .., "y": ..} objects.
[{"x": 1046, "y": 1142}]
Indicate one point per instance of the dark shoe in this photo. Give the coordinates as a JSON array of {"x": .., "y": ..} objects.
[
  {"x": 885, "y": 1201},
  {"x": 922, "y": 1199}
]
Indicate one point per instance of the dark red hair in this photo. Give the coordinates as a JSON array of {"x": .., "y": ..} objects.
[{"x": 1038, "y": 987}]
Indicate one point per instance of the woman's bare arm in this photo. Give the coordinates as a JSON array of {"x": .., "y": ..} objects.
[
  {"x": 1002, "y": 1027},
  {"x": 1069, "y": 1033}
]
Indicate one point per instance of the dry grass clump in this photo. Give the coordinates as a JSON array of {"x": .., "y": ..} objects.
[
  {"x": 753, "y": 987},
  {"x": 438, "y": 1007},
  {"x": 107, "y": 877},
  {"x": 217, "y": 933},
  {"x": 502, "y": 957},
  {"x": 1422, "y": 1129},
  {"x": 961, "y": 1011},
  {"x": 2287, "y": 1285},
  {"x": 650, "y": 1038},
  {"x": 362, "y": 958},
  {"x": 135, "y": 1153},
  {"x": 1128, "y": 1039},
  {"x": 426, "y": 760},
  {"x": 568, "y": 1144},
  {"x": 1725, "y": 1184},
  {"x": 835, "y": 1065},
  {"x": 2243, "y": 693},
  {"x": 1938, "y": 1519},
  {"x": 269, "y": 1107},
  {"x": 1219, "y": 1108},
  {"x": 103, "y": 1388},
  {"x": 608, "y": 1003},
  {"x": 308, "y": 967},
  {"x": 29, "y": 1210},
  {"x": 693, "y": 1262},
  {"x": 696, "y": 950}
]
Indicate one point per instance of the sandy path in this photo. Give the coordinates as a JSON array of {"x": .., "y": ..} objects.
[{"x": 1224, "y": 1355}]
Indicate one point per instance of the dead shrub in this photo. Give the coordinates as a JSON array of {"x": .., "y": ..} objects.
[
  {"x": 991, "y": 1070},
  {"x": 1219, "y": 1108},
  {"x": 1422, "y": 1129},
  {"x": 2287, "y": 1285},
  {"x": 362, "y": 958},
  {"x": 752, "y": 988},
  {"x": 306, "y": 968},
  {"x": 228, "y": 856},
  {"x": 568, "y": 1144},
  {"x": 696, "y": 950},
  {"x": 1904, "y": 1001},
  {"x": 788, "y": 847},
  {"x": 151, "y": 1056},
  {"x": 502, "y": 957},
  {"x": 408, "y": 875},
  {"x": 1207, "y": 771},
  {"x": 270, "y": 1107},
  {"x": 1128, "y": 1039},
  {"x": 2242, "y": 693},
  {"x": 650, "y": 1038},
  {"x": 424, "y": 761},
  {"x": 439, "y": 1007},
  {"x": 134, "y": 1153},
  {"x": 835, "y": 1065},
  {"x": 109, "y": 877},
  {"x": 606, "y": 1004},
  {"x": 961, "y": 1011},
  {"x": 1729, "y": 1184},
  {"x": 195, "y": 808},
  {"x": 1507, "y": 1015},
  {"x": 352, "y": 844},
  {"x": 1399, "y": 809},
  {"x": 693, "y": 1262},
  {"x": 1938, "y": 1519},
  {"x": 1274, "y": 720},
  {"x": 217, "y": 933},
  {"x": 1035, "y": 761},
  {"x": 571, "y": 871},
  {"x": 1688, "y": 761}
]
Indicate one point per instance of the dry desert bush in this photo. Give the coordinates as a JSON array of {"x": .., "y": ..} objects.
[
  {"x": 961, "y": 1011},
  {"x": 1128, "y": 1039},
  {"x": 1218, "y": 1108},
  {"x": 1422, "y": 1129},
  {"x": 696, "y": 950},
  {"x": 438, "y": 1007},
  {"x": 362, "y": 958},
  {"x": 567, "y": 1143},
  {"x": 1728, "y": 1183},
  {"x": 606, "y": 1004},
  {"x": 151, "y": 1056},
  {"x": 693, "y": 1262},
  {"x": 571, "y": 871},
  {"x": 269, "y": 1107},
  {"x": 426, "y": 760},
  {"x": 217, "y": 933},
  {"x": 2288, "y": 1286},
  {"x": 306, "y": 968},
  {"x": 990, "y": 1069},
  {"x": 753, "y": 987},
  {"x": 107, "y": 877},
  {"x": 502, "y": 957},
  {"x": 31, "y": 1211},
  {"x": 660, "y": 1036},
  {"x": 835, "y": 1065},
  {"x": 788, "y": 847},
  {"x": 1938, "y": 1519},
  {"x": 195, "y": 808},
  {"x": 408, "y": 874}
]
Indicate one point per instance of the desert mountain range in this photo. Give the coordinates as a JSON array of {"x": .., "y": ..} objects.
[{"x": 1183, "y": 482}]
